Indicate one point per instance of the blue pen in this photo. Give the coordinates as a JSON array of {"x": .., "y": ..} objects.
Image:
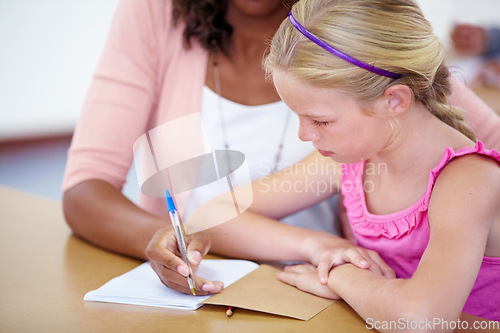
[{"x": 180, "y": 237}]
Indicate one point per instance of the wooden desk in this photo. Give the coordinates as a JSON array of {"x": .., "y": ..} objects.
[{"x": 46, "y": 271}]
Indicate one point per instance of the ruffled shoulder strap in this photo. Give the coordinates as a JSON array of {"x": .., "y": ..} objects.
[
  {"x": 400, "y": 223},
  {"x": 450, "y": 154}
]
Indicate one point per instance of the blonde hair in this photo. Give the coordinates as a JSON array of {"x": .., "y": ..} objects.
[{"x": 389, "y": 34}]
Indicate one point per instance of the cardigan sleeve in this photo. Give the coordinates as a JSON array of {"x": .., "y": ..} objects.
[
  {"x": 122, "y": 95},
  {"x": 481, "y": 118}
]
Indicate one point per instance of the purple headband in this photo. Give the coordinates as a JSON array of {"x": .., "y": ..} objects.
[{"x": 339, "y": 53}]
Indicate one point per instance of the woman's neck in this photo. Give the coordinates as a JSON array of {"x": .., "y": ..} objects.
[
  {"x": 251, "y": 33},
  {"x": 241, "y": 75}
]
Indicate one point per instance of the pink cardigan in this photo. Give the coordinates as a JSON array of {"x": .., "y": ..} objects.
[{"x": 147, "y": 76}]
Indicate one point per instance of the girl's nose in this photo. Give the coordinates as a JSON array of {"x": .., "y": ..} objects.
[{"x": 306, "y": 131}]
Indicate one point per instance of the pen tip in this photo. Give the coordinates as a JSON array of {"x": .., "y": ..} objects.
[{"x": 193, "y": 291}]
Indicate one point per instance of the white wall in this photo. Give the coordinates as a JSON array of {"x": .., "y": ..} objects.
[
  {"x": 49, "y": 49},
  {"x": 443, "y": 14}
]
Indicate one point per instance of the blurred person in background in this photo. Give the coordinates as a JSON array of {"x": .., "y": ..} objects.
[{"x": 480, "y": 41}]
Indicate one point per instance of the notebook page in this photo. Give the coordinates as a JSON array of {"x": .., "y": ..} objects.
[{"x": 141, "y": 286}]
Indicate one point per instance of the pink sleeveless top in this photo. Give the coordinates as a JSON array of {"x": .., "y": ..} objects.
[{"x": 401, "y": 238}]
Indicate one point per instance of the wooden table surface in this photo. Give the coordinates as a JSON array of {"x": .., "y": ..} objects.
[{"x": 46, "y": 272}]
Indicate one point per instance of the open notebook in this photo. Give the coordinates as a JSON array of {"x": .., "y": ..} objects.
[{"x": 141, "y": 286}]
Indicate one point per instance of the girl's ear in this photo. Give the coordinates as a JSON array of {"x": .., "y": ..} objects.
[{"x": 398, "y": 98}]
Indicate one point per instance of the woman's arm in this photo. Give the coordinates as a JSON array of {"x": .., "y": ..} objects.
[
  {"x": 460, "y": 222},
  {"x": 115, "y": 113},
  {"x": 99, "y": 213},
  {"x": 481, "y": 118}
]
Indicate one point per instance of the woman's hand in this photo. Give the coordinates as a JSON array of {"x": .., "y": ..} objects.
[
  {"x": 328, "y": 256},
  {"x": 305, "y": 278},
  {"x": 165, "y": 258}
]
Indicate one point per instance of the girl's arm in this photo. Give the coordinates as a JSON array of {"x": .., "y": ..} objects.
[
  {"x": 460, "y": 222},
  {"x": 256, "y": 234}
]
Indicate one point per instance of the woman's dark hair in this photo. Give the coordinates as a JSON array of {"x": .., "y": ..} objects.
[{"x": 205, "y": 20}]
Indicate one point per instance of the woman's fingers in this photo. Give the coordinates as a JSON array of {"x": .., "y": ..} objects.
[
  {"x": 198, "y": 246},
  {"x": 163, "y": 249},
  {"x": 178, "y": 282},
  {"x": 165, "y": 260}
]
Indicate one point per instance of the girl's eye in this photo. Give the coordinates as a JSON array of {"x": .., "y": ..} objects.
[{"x": 320, "y": 123}]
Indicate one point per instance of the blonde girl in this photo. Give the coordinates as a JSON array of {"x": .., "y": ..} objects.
[{"x": 368, "y": 82}]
